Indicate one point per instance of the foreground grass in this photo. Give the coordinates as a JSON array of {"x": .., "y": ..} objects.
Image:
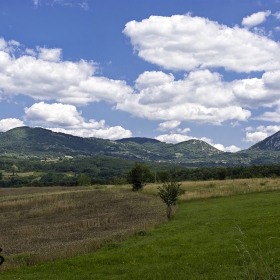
[{"x": 201, "y": 242}]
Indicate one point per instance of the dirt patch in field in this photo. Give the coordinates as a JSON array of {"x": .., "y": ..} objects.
[{"x": 51, "y": 226}]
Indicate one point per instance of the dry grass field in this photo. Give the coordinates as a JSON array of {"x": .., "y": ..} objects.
[
  {"x": 51, "y": 223},
  {"x": 13, "y": 193},
  {"x": 209, "y": 189}
]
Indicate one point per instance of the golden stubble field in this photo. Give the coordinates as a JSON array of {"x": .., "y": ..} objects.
[{"x": 51, "y": 223}]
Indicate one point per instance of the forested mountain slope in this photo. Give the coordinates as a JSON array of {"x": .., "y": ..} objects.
[
  {"x": 27, "y": 141},
  {"x": 44, "y": 143}
]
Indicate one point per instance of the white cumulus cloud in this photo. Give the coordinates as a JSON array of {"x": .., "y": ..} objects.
[
  {"x": 152, "y": 78},
  {"x": 231, "y": 149},
  {"x": 269, "y": 116},
  {"x": 255, "y": 19},
  {"x": 112, "y": 133},
  {"x": 173, "y": 138},
  {"x": 7, "y": 124},
  {"x": 259, "y": 133},
  {"x": 201, "y": 96},
  {"x": 168, "y": 125},
  {"x": 204, "y": 96},
  {"x": 183, "y": 42},
  {"x": 55, "y": 114},
  {"x": 41, "y": 74},
  {"x": 65, "y": 118},
  {"x": 53, "y": 55}
]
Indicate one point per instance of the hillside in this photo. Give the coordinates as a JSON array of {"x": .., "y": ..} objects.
[
  {"x": 29, "y": 142},
  {"x": 271, "y": 143},
  {"x": 42, "y": 142}
]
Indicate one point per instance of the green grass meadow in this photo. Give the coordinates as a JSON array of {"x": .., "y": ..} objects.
[{"x": 236, "y": 237}]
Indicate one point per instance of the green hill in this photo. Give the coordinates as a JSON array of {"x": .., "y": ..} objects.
[
  {"x": 27, "y": 141},
  {"x": 271, "y": 143},
  {"x": 44, "y": 143}
]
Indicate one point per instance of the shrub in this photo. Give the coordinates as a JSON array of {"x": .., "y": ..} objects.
[{"x": 169, "y": 194}]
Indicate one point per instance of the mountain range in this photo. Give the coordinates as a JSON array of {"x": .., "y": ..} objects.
[{"x": 43, "y": 143}]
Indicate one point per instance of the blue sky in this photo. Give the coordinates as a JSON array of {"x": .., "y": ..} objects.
[{"x": 170, "y": 70}]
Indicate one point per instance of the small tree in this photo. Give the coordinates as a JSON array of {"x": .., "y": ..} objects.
[
  {"x": 138, "y": 176},
  {"x": 169, "y": 194},
  {"x": 14, "y": 169},
  {"x": 84, "y": 180}
]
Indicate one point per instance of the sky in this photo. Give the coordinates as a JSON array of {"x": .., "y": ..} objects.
[{"x": 171, "y": 70}]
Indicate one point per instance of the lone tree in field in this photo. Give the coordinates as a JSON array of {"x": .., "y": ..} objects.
[
  {"x": 169, "y": 194},
  {"x": 138, "y": 176},
  {"x": 14, "y": 169}
]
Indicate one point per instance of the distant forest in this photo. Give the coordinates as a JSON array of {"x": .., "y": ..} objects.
[{"x": 110, "y": 170}]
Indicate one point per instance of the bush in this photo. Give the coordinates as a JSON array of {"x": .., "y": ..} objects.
[{"x": 169, "y": 194}]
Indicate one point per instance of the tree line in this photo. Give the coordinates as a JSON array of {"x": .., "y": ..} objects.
[
  {"x": 108, "y": 170},
  {"x": 222, "y": 173}
]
